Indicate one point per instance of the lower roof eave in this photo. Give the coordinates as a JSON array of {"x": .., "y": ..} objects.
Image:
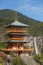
[
  {"x": 8, "y": 50},
  {"x": 16, "y": 42},
  {"x": 23, "y": 34}
]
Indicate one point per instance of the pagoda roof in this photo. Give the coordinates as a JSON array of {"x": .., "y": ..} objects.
[
  {"x": 18, "y": 41},
  {"x": 16, "y": 23},
  {"x": 24, "y": 34}
]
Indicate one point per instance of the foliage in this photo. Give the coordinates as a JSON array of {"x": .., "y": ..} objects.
[
  {"x": 1, "y": 61},
  {"x": 42, "y": 50},
  {"x": 18, "y": 61},
  {"x": 12, "y": 54},
  {"x": 2, "y": 45},
  {"x": 1, "y": 64},
  {"x": 39, "y": 58}
]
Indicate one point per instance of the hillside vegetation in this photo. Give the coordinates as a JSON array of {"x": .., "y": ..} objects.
[{"x": 7, "y": 16}]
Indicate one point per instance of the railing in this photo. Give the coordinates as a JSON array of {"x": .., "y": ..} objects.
[
  {"x": 20, "y": 33},
  {"x": 16, "y": 38},
  {"x": 15, "y": 31},
  {"x": 17, "y": 49}
]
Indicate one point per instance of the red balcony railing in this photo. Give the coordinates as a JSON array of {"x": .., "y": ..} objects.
[
  {"x": 8, "y": 31},
  {"x": 16, "y": 38}
]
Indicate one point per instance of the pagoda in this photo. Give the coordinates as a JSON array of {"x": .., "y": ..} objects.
[{"x": 17, "y": 36}]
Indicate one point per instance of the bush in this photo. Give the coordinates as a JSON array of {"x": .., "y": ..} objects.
[
  {"x": 18, "y": 61},
  {"x": 37, "y": 57},
  {"x": 12, "y": 54}
]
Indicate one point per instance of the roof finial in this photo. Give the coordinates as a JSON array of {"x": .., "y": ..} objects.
[{"x": 16, "y": 14}]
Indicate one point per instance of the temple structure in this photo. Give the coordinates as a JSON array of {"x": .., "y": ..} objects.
[{"x": 17, "y": 37}]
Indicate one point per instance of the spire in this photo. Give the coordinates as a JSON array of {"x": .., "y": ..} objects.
[{"x": 15, "y": 15}]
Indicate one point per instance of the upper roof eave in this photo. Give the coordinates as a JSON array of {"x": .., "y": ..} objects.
[{"x": 16, "y": 23}]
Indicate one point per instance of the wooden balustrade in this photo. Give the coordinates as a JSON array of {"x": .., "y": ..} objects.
[
  {"x": 13, "y": 49},
  {"x": 16, "y": 38},
  {"x": 15, "y": 31}
]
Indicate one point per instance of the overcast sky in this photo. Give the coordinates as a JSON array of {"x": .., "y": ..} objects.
[{"x": 30, "y": 8}]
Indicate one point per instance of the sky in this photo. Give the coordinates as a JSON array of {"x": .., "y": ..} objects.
[{"x": 30, "y": 8}]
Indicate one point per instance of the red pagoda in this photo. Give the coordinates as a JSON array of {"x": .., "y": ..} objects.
[{"x": 16, "y": 38}]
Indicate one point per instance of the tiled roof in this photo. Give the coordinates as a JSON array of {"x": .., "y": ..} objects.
[
  {"x": 26, "y": 34},
  {"x": 18, "y": 41},
  {"x": 16, "y": 23}
]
